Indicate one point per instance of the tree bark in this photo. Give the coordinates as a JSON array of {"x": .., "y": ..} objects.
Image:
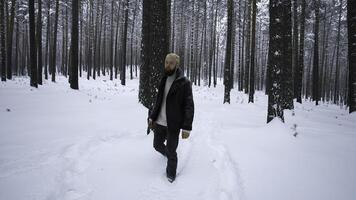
[
  {"x": 33, "y": 58},
  {"x": 351, "y": 22},
  {"x": 74, "y": 45}
]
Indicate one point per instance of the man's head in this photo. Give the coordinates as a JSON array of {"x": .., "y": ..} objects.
[{"x": 171, "y": 63}]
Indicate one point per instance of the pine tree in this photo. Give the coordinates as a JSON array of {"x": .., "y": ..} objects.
[
  {"x": 74, "y": 45},
  {"x": 9, "y": 40},
  {"x": 39, "y": 42},
  {"x": 33, "y": 57},
  {"x": 351, "y": 22},
  {"x": 155, "y": 45},
  {"x": 2, "y": 43},
  {"x": 252, "y": 58},
  {"x": 287, "y": 72},
  {"x": 227, "y": 67},
  {"x": 316, "y": 85},
  {"x": 54, "y": 45},
  {"x": 124, "y": 45},
  {"x": 300, "y": 65},
  {"x": 277, "y": 53}
]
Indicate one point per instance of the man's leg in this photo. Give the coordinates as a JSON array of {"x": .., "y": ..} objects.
[
  {"x": 160, "y": 134},
  {"x": 172, "y": 144}
]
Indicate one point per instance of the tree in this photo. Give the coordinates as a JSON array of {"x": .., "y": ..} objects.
[
  {"x": 74, "y": 45},
  {"x": 287, "y": 72},
  {"x": 155, "y": 44},
  {"x": 300, "y": 63},
  {"x": 277, "y": 53},
  {"x": 316, "y": 91},
  {"x": 39, "y": 42},
  {"x": 47, "y": 39},
  {"x": 337, "y": 74},
  {"x": 2, "y": 43},
  {"x": 9, "y": 40},
  {"x": 252, "y": 58},
  {"x": 124, "y": 43},
  {"x": 33, "y": 57},
  {"x": 227, "y": 68},
  {"x": 54, "y": 45},
  {"x": 295, "y": 57},
  {"x": 351, "y": 23}
]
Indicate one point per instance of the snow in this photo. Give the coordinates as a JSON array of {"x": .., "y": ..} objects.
[{"x": 57, "y": 143}]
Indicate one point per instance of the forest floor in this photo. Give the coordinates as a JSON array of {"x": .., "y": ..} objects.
[{"x": 58, "y": 143}]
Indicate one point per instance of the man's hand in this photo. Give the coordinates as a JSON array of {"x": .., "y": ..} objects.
[
  {"x": 185, "y": 134},
  {"x": 150, "y": 123}
]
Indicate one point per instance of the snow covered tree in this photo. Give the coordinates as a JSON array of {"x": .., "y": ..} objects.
[
  {"x": 351, "y": 22},
  {"x": 277, "y": 56},
  {"x": 74, "y": 45}
]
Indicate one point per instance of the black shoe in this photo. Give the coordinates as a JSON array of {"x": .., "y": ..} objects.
[{"x": 171, "y": 178}]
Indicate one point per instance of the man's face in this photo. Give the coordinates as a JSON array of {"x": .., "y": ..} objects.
[{"x": 170, "y": 65}]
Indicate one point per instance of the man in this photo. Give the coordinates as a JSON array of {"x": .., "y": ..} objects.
[{"x": 173, "y": 110}]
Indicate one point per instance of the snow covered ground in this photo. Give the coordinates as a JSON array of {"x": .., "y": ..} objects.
[{"x": 57, "y": 143}]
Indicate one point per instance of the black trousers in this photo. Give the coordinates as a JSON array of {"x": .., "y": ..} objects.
[{"x": 161, "y": 134}]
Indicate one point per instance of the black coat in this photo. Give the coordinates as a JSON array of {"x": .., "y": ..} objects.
[{"x": 179, "y": 103}]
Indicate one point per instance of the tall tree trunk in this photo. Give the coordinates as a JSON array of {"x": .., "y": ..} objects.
[
  {"x": 33, "y": 58},
  {"x": 53, "y": 60},
  {"x": 39, "y": 42},
  {"x": 112, "y": 41},
  {"x": 316, "y": 91},
  {"x": 47, "y": 40},
  {"x": 2, "y": 43},
  {"x": 300, "y": 66},
  {"x": 248, "y": 46},
  {"x": 277, "y": 53},
  {"x": 252, "y": 58},
  {"x": 295, "y": 52},
  {"x": 117, "y": 57},
  {"x": 124, "y": 43},
  {"x": 132, "y": 41},
  {"x": 336, "y": 85},
  {"x": 351, "y": 22},
  {"x": 74, "y": 45},
  {"x": 155, "y": 46},
  {"x": 287, "y": 71},
  {"x": 9, "y": 39},
  {"x": 227, "y": 67}
]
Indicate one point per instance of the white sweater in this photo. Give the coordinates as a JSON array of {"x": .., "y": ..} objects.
[{"x": 162, "y": 117}]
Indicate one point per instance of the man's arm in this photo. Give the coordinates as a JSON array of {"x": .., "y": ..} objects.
[{"x": 188, "y": 107}]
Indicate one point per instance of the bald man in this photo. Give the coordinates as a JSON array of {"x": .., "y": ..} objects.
[{"x": 172, "y": 112}]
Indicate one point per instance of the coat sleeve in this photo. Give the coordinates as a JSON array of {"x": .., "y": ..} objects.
[
  {"x": 188, "y": 107},
  {"x": 153, "y": 114}
]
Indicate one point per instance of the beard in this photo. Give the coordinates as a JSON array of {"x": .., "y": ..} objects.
[{"x": 169, "y": 72}]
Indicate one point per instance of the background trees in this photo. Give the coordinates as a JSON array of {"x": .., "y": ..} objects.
[{"x": 217, "y": 45}]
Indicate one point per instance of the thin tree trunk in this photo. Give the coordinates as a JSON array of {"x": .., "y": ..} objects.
[
  {"x": 74, "y": 45},
  {"x": 33, "y": 57},
  {"x": 2, "y": 43},
  {"x": 39, "y": 42},
  {"x": 53, "y": 62}
]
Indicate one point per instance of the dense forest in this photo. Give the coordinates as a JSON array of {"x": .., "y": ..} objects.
[{"x": 290, "y": 49}]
